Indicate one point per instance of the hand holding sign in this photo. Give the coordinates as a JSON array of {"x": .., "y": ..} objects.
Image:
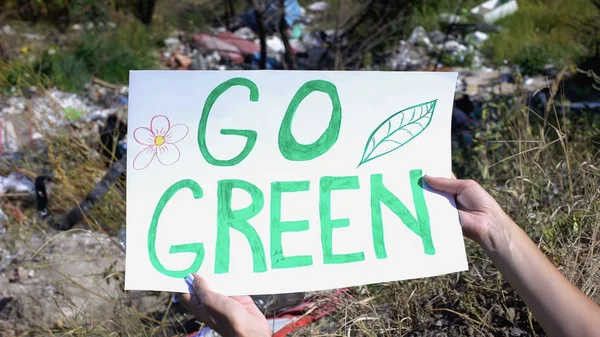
[
  {"x": 292, "y": 181},
  {"x": 235, "y": 316}
]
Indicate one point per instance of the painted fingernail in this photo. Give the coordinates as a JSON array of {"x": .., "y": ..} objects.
[{"x": 189, "y": 280}]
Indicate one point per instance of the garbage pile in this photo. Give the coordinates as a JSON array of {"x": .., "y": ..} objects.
[
  {"x": 424, "y": 50},
  {"x": 24, "y": 118},
  {"x": 239, "y": 47}
]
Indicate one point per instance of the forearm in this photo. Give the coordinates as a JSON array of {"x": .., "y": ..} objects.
[{"x": 561, "y": 308}]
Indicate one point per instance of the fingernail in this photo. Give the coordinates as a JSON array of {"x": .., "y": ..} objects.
[{"x": 189, "y": 280}]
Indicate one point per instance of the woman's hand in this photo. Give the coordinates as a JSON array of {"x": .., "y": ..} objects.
[
  {"x": 481, "y": 218},
  {"x": 235, "y": 316}
]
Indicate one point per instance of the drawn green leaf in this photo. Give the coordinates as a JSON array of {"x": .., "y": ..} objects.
[{"x": 399, "y": 129}]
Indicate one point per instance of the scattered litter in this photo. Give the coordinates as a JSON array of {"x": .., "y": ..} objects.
[
  {"x": 481, "y": 36},
  {"x": 449, "y": 18},
  {"x": 54, "y": 109},
  {"x": 178, "y": 61},
  {"x": 271, "y": 62},
  {"x": 3, "y": 221},
  {"x": 272, "y": 15},
  {"x": 6, "y": 29},
  {"x": 494, "y": 10},
  {"x": 455, "y": 47},
  {"x": 477, "y": 38},
  {"x": 275, "y": 45},
  {"x": 419, "y": 37},
  {"x": 407, "y": 56},
  {"x": 123, "y": 239},
  {"x": 245, "y": 33},
  {"x": 298, "y": 46},
  {"x": 199, "y": 62},
  {"x": 172, "y": 43},
  {"x": 207, "y": 43},
  {"x": 319, "y": 6},
  {"x": 436, "y": 37},
  {"x": 18, "y": 184},
  {"x": 36, "y": 37},
  {"x": 245, "y": 47},
  {"x": 297, "y": 31}
]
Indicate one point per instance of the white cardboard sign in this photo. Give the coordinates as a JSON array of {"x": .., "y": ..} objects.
[{"x": 270, "y": 182}]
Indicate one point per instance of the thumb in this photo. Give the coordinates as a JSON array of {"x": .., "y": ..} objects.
[
  {"x": 198, "y": 284},
  {"x": 453, "y": 186}
]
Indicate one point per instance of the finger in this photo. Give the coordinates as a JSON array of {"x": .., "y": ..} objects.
[
  {"x": 453, "y": 176},
  {"x": 210, "y": 300},
  {"x": 215, "y": 306},
  {"x": 453, "y": 186},
  {"x": 185, "y": 297},
  {"x": 200, "y": 285},
  {"x": 186, "y": 301}
]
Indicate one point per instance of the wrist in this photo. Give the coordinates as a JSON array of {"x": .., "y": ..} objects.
[{"x": 499, "y": 236}]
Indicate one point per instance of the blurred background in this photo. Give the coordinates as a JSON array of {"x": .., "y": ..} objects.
[{"x": 526, "y": 125}]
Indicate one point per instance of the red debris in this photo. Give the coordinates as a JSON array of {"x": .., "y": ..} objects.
[
  {"x": 211, "y": 43},
  {"x": 245, "y": 47}
]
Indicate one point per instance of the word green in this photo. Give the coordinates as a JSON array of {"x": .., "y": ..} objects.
[
  {"x": 229, "y": 219},
  {"x": 288, "y": 145}
]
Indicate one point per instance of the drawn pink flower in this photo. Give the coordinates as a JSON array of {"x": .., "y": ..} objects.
[{"x": 159, "y": 141}]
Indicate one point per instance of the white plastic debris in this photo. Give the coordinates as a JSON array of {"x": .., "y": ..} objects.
[
  {"x": 245, "y": 33},
  {"x": 275, "y": 45},
  {"x": 172, "y": 43},
  {"x": 449, "y": 18},
  {"x": 16, "y": 183},
  {"x": 6, "y": 29},
  {"x": 481, "y": 36},
  {"x": 419, "y": 37},
  {"x": 24, "y": 121},
  {"x": 3, "y": 221},
  {"x": 319, "y": 6},
  {"x": 36, "y": 37},
  {"x": 455, "y": 47},
  {"x": 493, "y": 10}
]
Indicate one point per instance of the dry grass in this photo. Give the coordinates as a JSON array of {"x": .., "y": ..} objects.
[{"x": 542, "y": 166}]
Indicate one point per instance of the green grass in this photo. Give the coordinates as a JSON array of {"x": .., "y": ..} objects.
[
  {"x": 426, "y": 12},
  {"x": 107, "y": 55},
  {"x": 545, "y": 31}
]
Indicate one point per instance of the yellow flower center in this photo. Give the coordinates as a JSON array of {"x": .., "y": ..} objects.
[{"x": 159, "y": 140}]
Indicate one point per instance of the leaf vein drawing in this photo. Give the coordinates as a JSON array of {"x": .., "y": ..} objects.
[{"x": 393, "y": 139}]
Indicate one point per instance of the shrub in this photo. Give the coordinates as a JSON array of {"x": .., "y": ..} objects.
[{"x": 106, "y": 55}]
